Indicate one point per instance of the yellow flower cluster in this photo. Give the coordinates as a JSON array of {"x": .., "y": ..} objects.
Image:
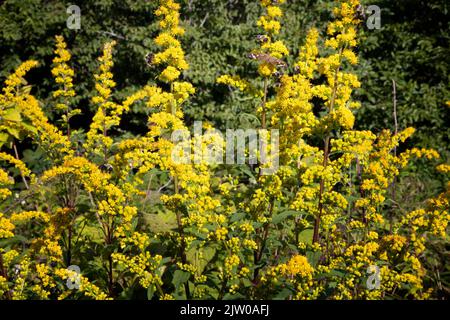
[
  {"x": 52, "y": 140},
  {"x": 15, "y": 80},
  {"x": 298, "y": 265},
  {"x": 6, "y": 180},
  {"x": 63, "y": 73},
  {"x": 12, "y": 124},
  {"x": 43, "y": 273},
  {"x": 172, "y": 55},
  {"x": 444, "y": 168},
  {"x": 6, "y": 227},
  {"x": 108, "y": 113},
  {"x": 239, "y": 83},
  {"x": 19, "y": 283},
  {"x": 299, "y": 273},
  {"x": 143, "y": 265},
  {"x": 343, "y": 182},
  {"x": 343, "y": 30},
  {"x": 86, "y": 287},
  {"x": 273, "y": 49},
  {"x": 270, "y": 21},
  {"x": 308, "y": 53}
]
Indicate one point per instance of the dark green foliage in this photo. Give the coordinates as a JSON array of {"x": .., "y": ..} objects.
[{"x": 413, "y": 49}]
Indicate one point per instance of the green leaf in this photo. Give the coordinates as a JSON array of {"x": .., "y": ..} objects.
[
  {"x": 29, "y": 127},
  {"x": 283, "y": 294},
  {"x": 180, "y": 277},
  {"x": 26, "y": 89},
  {"x": 200, "y": 257},
  {"x": 12, "y": 115},
  {"x": 247, "y": 171},
  {"x": 161, "y": 222},
  {"x": 337, "y": 273},
  {"x": 283, "y": 216},
  {"x": 313, "y": 257},
  {"x": 332, "y": 284},
  {"x": 3, "y": 138},
  {"x": 236, "y": 296},
  {"x": 14, "y": 132},
  {"x": 237, "y": 216},
  {"x": 306, "y": 236},
  {"x": 12, "y": 241},
  {"x": 150, "y": 292}
]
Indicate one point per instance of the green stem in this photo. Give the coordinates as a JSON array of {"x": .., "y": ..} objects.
[
  {"x": 326, "y": 154},
  {"x": 263, "y": 116}
]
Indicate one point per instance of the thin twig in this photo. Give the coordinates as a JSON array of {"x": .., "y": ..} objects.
[
  {"x": 394, "y": 98},
  {"x": 263, "y": 117},
  {"x": 326, "y": 155},
  {"x": 394, "y": 86},
  {"x": 112, "y": 34}
]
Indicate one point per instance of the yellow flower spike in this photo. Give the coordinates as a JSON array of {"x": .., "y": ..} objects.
[
  {"x": 6, "y": 227},
  {"x": 18, "y": 164},
  {"x": 15, "y": 79},
  {"x": 86, "y": 287},
  {"x": 57, "y": 144},
  {"x": 52, "y": 140},
  {"x": 63, "y": 75},
  {"x": 173, "y": 55},
  {"x": 308, "y": 55},
  {"x": 270, "y": 21},
  {"x": 239, "y": 83},
  {"x": 276, "y": 49},
  {"x": 62, "y": 72},
  {"x": 108, "y": 113},
  {"x": 444, "y": 168}
]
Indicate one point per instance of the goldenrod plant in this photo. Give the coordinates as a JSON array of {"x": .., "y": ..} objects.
[{"x": 114, "y": 216}]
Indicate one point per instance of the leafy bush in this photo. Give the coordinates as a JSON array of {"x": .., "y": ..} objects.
[{"x": 119, "y": 208}]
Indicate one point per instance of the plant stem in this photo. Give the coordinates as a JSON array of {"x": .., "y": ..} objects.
[
  {"x": 361, "y": 191},
  {"x": 263, "y": 116},
  {"x": 183, "y": 244},
  {"x": 67, "y": 114},
  {"x": 68, "y": 124},
  {"x": 4, "y": 274},
  {"x": 258, "y": 254},
  {"x": 105, "y": 134},
  {"x": 326, "y": 155},
  {"x": 109, "y": 241},
  {"x": 222, "y": 289},
  {"x": 69, "y": 247},
  {"x": 321, "y": 191},
  {"x": 394, "y": 195}
]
